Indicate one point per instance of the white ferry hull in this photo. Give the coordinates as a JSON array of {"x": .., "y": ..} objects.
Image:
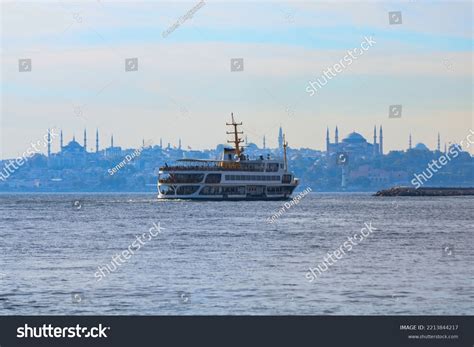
[
  {"x": 225, "y": 197},
  {"x": 222, "y": 198},
  {"x": 228, "y": 190}
]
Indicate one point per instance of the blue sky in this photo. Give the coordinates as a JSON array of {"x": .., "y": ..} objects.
[{"x": 184, "y": 87}]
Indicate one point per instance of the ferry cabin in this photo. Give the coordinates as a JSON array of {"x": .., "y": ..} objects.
[{"x": 213, "y": 179}]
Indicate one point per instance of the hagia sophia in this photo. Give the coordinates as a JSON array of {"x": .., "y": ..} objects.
[{"x": 357, "y": 146}]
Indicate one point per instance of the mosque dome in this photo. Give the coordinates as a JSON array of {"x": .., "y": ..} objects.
[
  {"x": 421, "y": 147},
  {"x": 73, "y": 146},
  {"x": 354, "y": 138}
]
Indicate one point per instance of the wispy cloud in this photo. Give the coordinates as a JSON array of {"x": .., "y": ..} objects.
[{"x": 421, "y": 64}]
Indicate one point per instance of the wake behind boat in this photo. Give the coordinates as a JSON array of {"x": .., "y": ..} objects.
[{"x": 234, "y": 177}]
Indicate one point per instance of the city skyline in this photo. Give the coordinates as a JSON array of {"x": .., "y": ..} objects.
[
  {"x": 185, "y": 86},
  {"x": 102, "y": 142},
  {"x": 349, "y": 162}
]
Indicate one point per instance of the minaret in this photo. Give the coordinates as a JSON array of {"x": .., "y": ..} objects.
[
  {"x": 336, "y": 137},
  {"x": 445, "y": 148},
  {"x": 61, "y": 140},
  {"x": 49, "y": 143},
  {"x": 143, "y": 143},
  {"x": 179, "y": 144},
  {"x": 85, "y": 140},
  {"x": 409, "y": 142},
  {"x": 439, "y": 143},
  {"x": 97, "y": 141},
  {"x": 74, "y": 137},
  {"x": 327, "y": 139},
  {"x": 264, "y": 144},
  {"x": 112, "y": 140},
  {"x": 381, "y": 141},
  {"x": 280, "y": 138},
  {"x": 375, "y": 140},
  {"x": 161, "y": 143},
  {"x": 246, "y": 140}
]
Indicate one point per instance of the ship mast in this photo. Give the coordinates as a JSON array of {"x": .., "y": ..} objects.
[{"x": 237, "y": 140}]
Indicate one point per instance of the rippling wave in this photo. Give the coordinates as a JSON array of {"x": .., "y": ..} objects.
[{"x": 224, "y": 258}]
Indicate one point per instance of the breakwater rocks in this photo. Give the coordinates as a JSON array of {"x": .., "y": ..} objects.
[{"x": 426, "y": 191}]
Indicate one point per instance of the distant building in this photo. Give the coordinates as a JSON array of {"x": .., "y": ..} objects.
[
  {"x": 113, "y": 151},
  {"x": 74, "y": 154},
  {"x": 70, "y": 155},
  {"x": 355, "y": 144},
  {"x": 422, "y": 147}
]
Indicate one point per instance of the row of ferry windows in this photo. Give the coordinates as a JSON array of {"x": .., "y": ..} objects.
[
  {"x": 251, "y": 178},
  {"x": 219, "y": 190}
]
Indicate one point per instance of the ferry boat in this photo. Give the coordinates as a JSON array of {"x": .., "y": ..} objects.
[{"x": 234, "y": 177}]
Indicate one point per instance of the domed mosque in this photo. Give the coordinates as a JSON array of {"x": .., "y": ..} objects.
[
  {"x": 355, "y": 144},
  {"x": 74, "y": 154},
  {"x": 422, "y": 147}
]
